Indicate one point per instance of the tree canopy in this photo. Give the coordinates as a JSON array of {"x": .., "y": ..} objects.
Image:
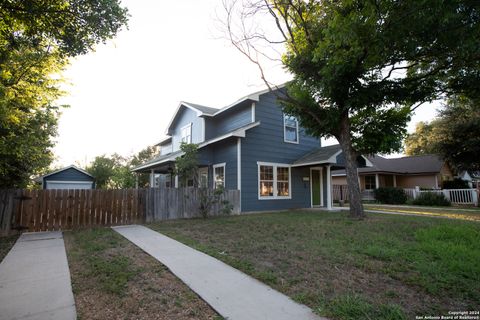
[
  {"x": 36, "y": 40},
  {"x": 360, "y": 68},
  {"x": 454, "y": 135},
  {"x": 115, "y": 171}
]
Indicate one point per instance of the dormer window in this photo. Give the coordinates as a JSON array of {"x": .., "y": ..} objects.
[
  {"x": 290, "y": 129},
  {"x": 186, "y": 133}
]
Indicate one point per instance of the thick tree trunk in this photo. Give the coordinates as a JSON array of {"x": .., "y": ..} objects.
[{"x": 356, "y": 206}]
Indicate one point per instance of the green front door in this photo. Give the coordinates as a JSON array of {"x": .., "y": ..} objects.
[{"x": 316, "y": 196}]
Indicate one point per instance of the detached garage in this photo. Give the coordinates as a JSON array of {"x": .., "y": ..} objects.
[{"x": 68, "y": 178}]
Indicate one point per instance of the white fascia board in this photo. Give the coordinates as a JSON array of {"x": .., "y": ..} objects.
[
  {"x": 331, "y": 160},
  {"x": 253, "y": 96},
  {"x": 241, "y": 133},
  {"x": 69, "y": 167},
  {"x": 367, "y": 162},
  {"x": 186, "y": 105},
  {"x": 69, "y": 181},
  {"x": 162, "y": 141},
  {"x": 159, "y": 162}
]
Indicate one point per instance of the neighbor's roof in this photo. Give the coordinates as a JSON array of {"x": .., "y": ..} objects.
[
  {"x": 326, "y": 154},
  {"x": 39, "y": 179},
  {"x": 405, "y": 165}
]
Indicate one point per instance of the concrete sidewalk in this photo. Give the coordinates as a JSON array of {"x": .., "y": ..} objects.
[
  {"x": 35, "y": 279},
  {"x": 233, "y": 294}
]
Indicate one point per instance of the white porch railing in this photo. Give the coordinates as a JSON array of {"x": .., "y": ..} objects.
[{"x": 456, "y": 196}]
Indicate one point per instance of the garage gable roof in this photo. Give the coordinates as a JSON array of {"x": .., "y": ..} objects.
[{"x": 63, "y": 169}]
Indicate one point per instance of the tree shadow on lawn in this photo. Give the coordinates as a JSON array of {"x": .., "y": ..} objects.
[{"x": 399, "y": 266}]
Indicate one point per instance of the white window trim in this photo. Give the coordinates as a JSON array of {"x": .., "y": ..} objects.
[
  {"x": 284, "y": 127},
  {"x": 218, "y": 165},
  {"x": 201, "y": 171},
  {"x": 275, "y": 181},
  {"x": 181, "y": 132}
]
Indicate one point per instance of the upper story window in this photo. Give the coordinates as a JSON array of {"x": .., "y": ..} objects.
[
  {"x": 290, "y": 129},
  {"x": 274, "y": 181},
  {"x": 186, "y": 133}
]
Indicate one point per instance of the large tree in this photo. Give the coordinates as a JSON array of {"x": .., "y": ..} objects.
[
  {"x": 36, "y": 40},
  {"x": 423, "y": 140},
  {"x": 115, "y": 171},
  {"x": 454, "y": 135},
  {"x": 360, "y": 68},
  {"x": 141, "y": 157}
]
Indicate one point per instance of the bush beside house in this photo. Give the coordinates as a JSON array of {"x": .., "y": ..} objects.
[
  {"x": 389, "y": 195},
  {"x": 431, "y": 199}
]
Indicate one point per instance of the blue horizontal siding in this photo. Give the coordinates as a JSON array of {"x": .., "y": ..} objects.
[
  {"x": 69, "y": 174},
  {"x": 229, "y": 120},
  {"x": 266, "y": 143},
  {"x": 183, "y": 118}
]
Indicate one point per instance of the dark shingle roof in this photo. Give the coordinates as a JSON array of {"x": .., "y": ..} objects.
[
  {"x": 413, "y": 164},
  {"x": 207, "y": 110},
  {"x": 319, "y": 155}
]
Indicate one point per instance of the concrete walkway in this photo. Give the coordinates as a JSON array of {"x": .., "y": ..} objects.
[
  {"x": 35, "y": 279},
  {"x": 233, "y": 294}
]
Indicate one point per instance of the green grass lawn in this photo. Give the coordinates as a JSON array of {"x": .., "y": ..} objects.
[
  {"x": 472, "y": 214},
  {"x": 384, "y": 267}
]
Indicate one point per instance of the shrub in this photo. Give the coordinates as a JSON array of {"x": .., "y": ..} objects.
[
  {"x": 455, "y": 184},
  {"x": 390, "y": 195},
  {"x": 431, "y": 199}
]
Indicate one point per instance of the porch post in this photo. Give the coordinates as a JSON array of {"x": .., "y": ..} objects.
[
  {"x": 136, "y": 180},
  {"x": 329, "y": 189},
  {"x": 358, "y": 177},
  {"x": 377, "y": 181},
  {"x": 152, "y": 178},
  {"x": 394, "y": 180}
]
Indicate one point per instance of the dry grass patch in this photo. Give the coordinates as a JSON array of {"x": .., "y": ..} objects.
[
  {"x": 6, "y": 243},
  {"x": 114, "y": 279}
]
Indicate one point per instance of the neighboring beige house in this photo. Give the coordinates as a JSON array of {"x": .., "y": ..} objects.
[{"x": 428, "y": 171}]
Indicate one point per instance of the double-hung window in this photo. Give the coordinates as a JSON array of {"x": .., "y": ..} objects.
[
  {"x": 274, "y": 181},
  {"x": 186, "y": 133},
  {"x": 219, "y": 175},
  {"x": 370, "y": 183},
  {"x": 290, "y": 129}
]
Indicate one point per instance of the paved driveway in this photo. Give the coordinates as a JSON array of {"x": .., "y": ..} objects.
[{"x": 35, "y": 279}]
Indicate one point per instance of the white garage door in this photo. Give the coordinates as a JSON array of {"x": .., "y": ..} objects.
[{"x": 69, "y": 185}]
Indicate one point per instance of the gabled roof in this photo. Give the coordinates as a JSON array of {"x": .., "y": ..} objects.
[
  {"x": 324, "y": 155},
  {"x": 404, "y": 165},
  {"x": 204, "y": 111},
  {"x": 239, "y": 132},
  {"x": 63, "y": 169},
  {"x": 321, "y": 155}
]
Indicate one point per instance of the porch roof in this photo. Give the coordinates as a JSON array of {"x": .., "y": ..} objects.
[
  {"x": 322, "y": 155},
  {"x": 165, "y": 161}
]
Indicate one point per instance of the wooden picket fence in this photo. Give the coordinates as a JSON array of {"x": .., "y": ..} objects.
[{"x": 49, "y": 210}]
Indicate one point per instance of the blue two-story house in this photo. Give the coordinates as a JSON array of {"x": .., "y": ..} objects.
[{"x": 252, "y": 146}]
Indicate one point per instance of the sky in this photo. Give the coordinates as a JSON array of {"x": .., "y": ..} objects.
[{"x": 123, "y": 95}]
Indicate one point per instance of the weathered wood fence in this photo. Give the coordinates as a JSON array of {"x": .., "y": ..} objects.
[
  {"x": 171, "y": 203},
  {"x": 48, "y": 210}
]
